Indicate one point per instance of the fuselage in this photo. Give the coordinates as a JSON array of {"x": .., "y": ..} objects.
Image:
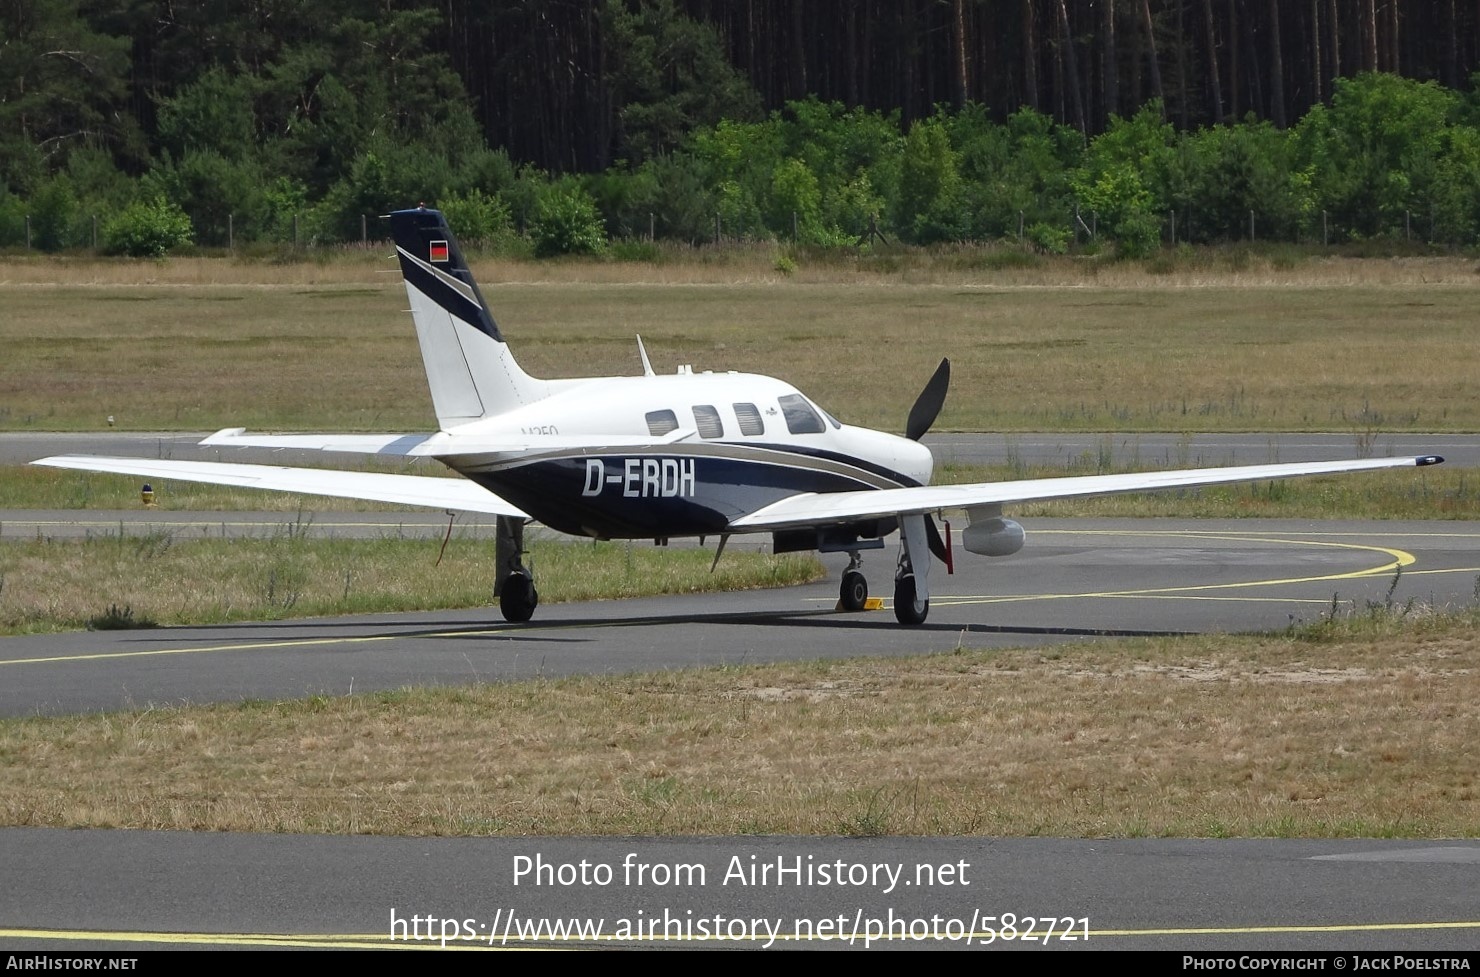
[{"x": 721, "y": 445}]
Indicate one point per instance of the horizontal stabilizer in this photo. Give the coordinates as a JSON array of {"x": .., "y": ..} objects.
[
  {"x": 447, "y": 444},
  {"x": 365, "y": 444},
  {"x": 418, "y": 490}
]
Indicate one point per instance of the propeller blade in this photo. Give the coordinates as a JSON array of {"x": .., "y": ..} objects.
[
  {"x": 932, "y": 537},
  {"x": 928, "y": 404}
]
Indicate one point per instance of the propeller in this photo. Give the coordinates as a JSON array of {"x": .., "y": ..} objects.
[
  {"x": 928, "y": 404},
  {"x": 922, "y": 415},
  {"x": 937, "y": 544}
]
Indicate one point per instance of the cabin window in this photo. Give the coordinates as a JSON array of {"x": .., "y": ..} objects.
[
  {"x": 800, "y": 417},
  {"x": 706, "y": 419},
  {"x": 661, "y": 422},
  {"x": 751, "y": 423}
]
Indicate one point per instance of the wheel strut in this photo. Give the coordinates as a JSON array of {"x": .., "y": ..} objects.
[{"x": 513, "y": 582}]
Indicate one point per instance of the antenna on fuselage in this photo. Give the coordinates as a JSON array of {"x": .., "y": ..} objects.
[{"x": 647, "y": 367}]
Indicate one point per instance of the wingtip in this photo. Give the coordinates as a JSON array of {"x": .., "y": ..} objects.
[
  {"x": 225, "y": 434},
  {"x": 1425, "y": 460}
]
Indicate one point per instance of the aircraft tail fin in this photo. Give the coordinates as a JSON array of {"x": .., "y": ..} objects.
[{"x": 469, "y": 368}]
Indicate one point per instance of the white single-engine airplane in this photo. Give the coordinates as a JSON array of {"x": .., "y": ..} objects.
[{"x": 632, "y": 457}]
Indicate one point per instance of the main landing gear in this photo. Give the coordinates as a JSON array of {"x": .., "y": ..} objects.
[
  {"x": 911, "y": 576},
  {"x": 514, "y": 584},
  {"x": 908, "y": 607}
]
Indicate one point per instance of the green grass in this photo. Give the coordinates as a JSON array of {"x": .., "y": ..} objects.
[{"x": 161, "y": 577}]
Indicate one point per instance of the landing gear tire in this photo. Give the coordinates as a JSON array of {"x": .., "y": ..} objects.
[
  {"x": 853, "y": 594},
  {"x": 518, "y": 598},
  {"x": 906, "y": 609}
]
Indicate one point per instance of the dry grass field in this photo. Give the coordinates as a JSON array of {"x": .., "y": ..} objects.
[{"x": 195, "y": 344}]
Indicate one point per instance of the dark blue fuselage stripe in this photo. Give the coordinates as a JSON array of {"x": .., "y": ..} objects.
[
  {"x": 852, "y": 460},
  {"x": 617, "y": 501},
  {"x": 796, "y": 457}
]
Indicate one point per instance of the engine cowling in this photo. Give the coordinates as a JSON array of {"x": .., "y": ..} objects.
[{"x": 989, "y": 534}]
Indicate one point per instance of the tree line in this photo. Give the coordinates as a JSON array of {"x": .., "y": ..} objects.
[
  {"x": 550, "y": 125},
  {"x": 1080, "y": 62}
]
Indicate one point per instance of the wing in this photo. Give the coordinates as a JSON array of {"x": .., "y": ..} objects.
[
  {"x": 442, "y": 445},
  {"x": 810, "y": 509},
  {"x": 421, "y": 490}
]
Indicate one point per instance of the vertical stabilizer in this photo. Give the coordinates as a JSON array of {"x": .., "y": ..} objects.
[{"x": 470, "y": 370}]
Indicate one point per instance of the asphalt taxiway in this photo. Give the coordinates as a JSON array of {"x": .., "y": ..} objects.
[
  {"x": 125, "y": 891},
  {"x": 1075, "y": 579}
]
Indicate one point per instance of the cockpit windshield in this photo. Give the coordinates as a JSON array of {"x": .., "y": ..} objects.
[{"x": 800, "y": 417}]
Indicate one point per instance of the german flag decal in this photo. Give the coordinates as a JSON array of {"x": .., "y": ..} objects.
[{"x": 439, "y": 251}]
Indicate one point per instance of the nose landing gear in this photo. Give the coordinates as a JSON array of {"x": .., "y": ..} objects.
[{"x": 853, "y": 592}]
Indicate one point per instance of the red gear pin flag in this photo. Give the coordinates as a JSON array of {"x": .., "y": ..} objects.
[{"x": 439, "y": 251}]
